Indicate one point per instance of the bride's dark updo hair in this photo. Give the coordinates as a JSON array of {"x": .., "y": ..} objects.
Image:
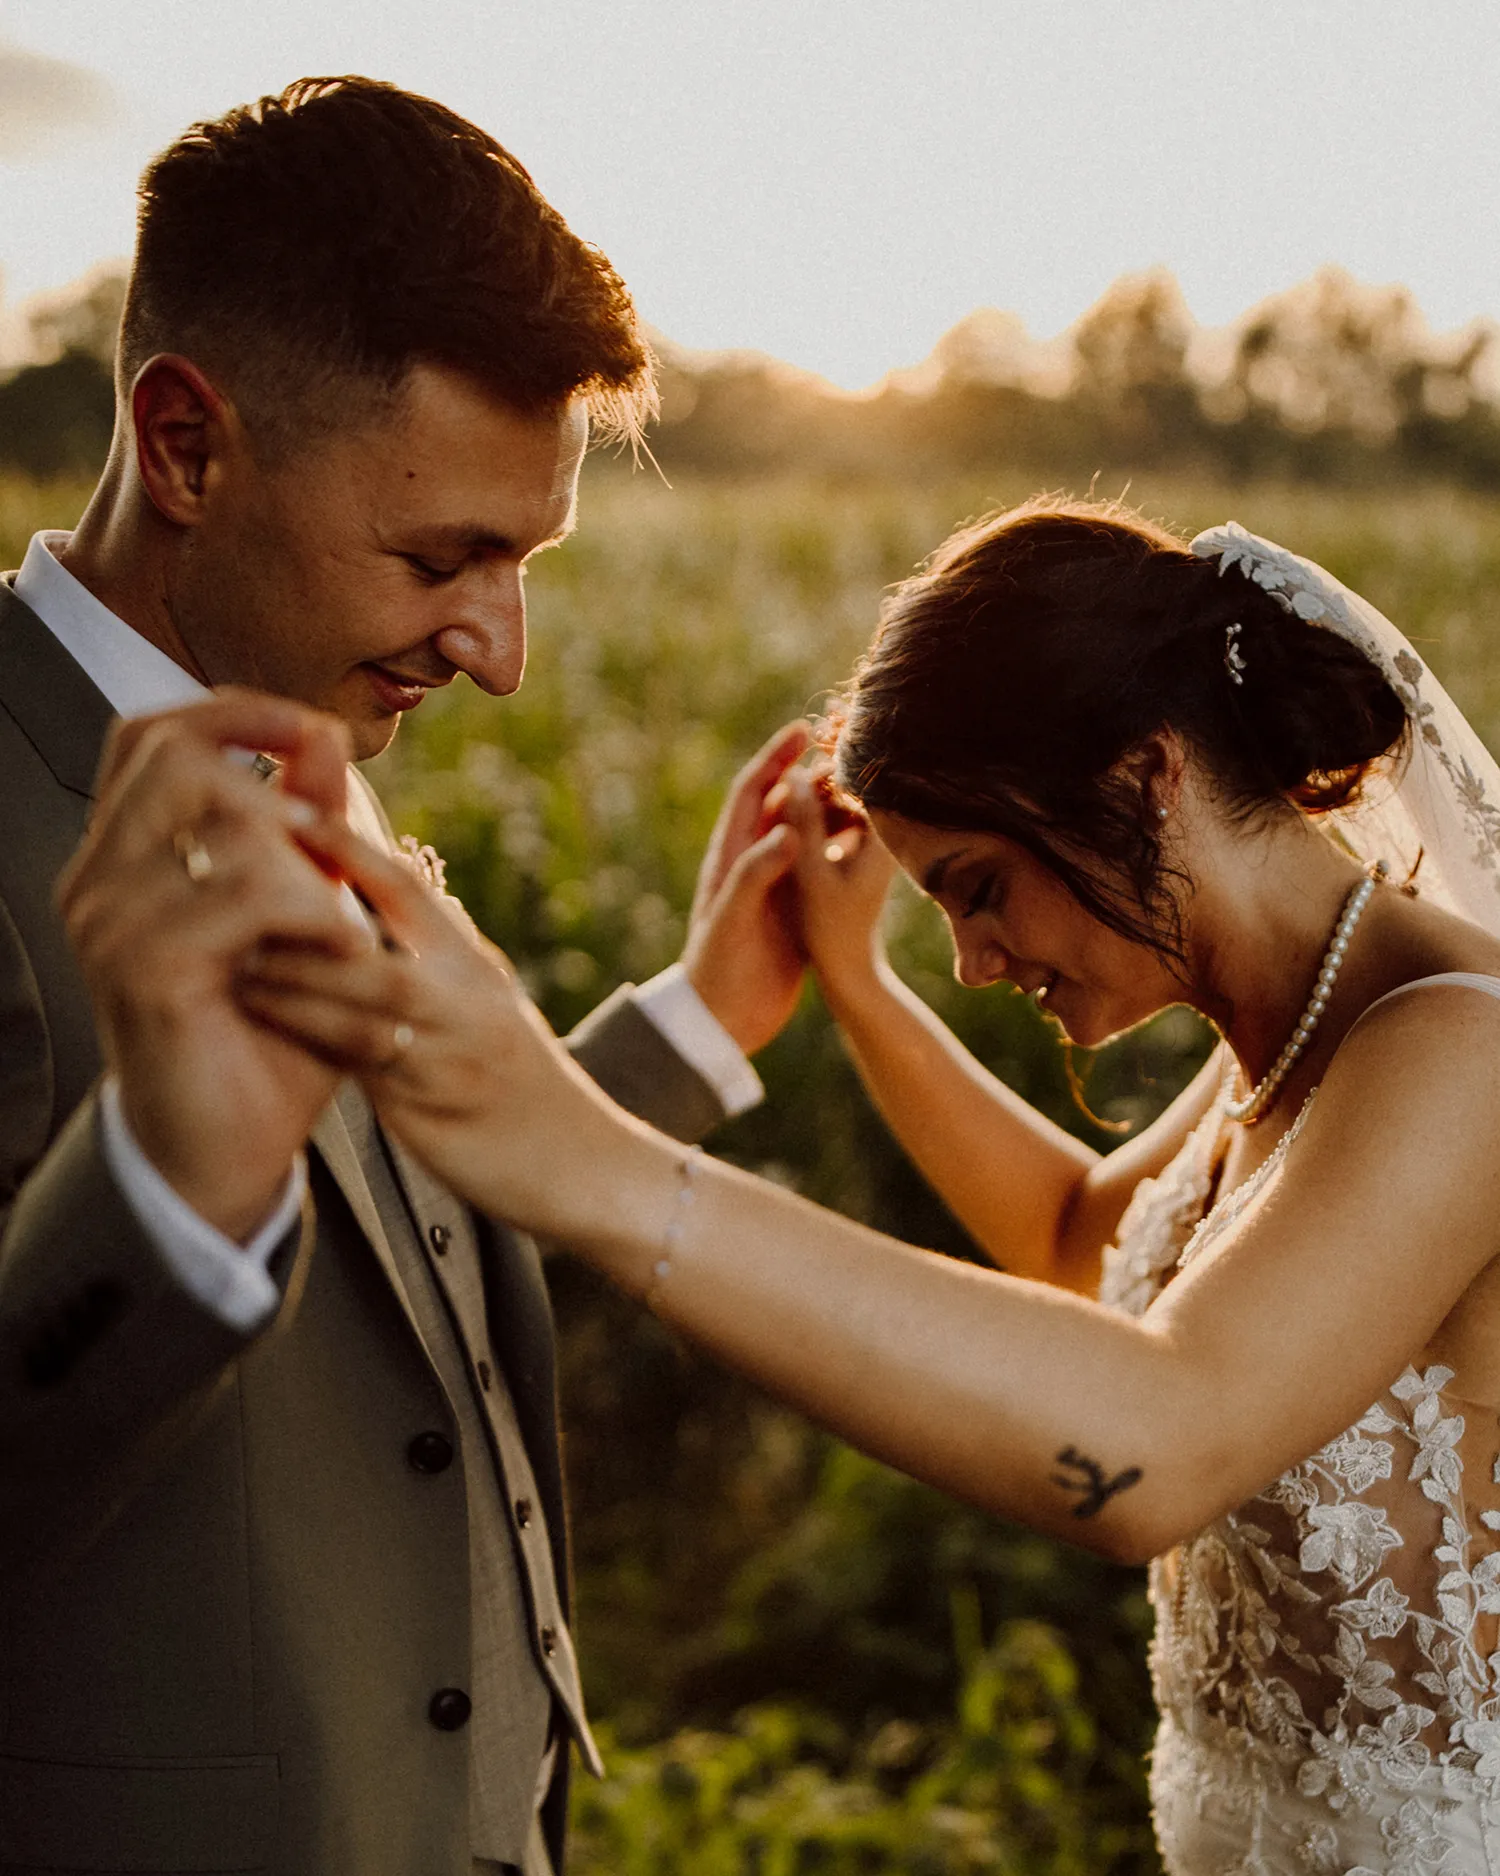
[{"x": 1011, "y": 678}]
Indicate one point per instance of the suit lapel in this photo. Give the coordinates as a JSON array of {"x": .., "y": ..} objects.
[
  {"x": 335, "y": 1147},
  {"x": 57, "y": 707}
]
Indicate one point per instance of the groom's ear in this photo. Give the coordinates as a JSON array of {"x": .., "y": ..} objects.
[{"x": 185, "y": 429}]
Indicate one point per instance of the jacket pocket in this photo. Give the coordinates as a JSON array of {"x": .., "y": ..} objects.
[{"x": 171, "y": 1817}]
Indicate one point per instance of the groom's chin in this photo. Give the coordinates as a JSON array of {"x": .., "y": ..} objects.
[
  {"x": 373, "y": 736},
  {"x": 371, "y": 730}
]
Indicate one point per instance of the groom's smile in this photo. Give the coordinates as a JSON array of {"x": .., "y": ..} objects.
[{"x": 395, "y": 693}]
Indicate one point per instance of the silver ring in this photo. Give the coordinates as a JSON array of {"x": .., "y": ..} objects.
[{"x": 197, "y": 861}]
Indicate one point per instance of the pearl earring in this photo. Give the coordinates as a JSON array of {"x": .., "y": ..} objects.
[{"x": 1162, "y": 815}]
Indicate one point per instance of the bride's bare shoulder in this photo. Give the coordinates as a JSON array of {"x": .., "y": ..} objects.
[
  {"x": 1418, "y": 1074},
  {"x": 1420, "y": 939},
  {"x": 1412, "y": 1092},
  {"x": 1440, "y": 1027},
  {"x": 1431, "y": 1006}
]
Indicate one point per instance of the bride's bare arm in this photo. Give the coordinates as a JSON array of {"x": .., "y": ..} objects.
[
  {"x": 1124, "y": 1435},
  {"x": 1040, "y": 1203},
  {"x": 1121, "y": 1434}
]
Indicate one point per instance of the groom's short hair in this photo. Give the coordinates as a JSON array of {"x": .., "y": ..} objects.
[{"x": 308, "y": 250}]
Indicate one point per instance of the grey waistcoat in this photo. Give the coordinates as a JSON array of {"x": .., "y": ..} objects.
[{"x": 523, "y": 1656}]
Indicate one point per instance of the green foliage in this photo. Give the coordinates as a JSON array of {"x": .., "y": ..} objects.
[
  {"x": 56, "y": 419},
  {"x": 1012, "y": 1786},
  {"x": 27, "y": 506}
]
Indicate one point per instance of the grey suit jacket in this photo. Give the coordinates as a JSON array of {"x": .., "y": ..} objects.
[{"x": 225, "y": 1596}]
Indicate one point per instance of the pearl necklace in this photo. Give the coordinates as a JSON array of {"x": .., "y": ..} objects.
[{"x": 1257, "y": 1103}]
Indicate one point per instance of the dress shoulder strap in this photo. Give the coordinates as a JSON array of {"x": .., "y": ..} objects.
[{"x": 1467, "y": 980}]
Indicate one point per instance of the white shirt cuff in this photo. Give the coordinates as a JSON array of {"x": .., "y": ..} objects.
[
  {"x": 676, "y": 1009},
  {"x": 230, "y": 1280}
]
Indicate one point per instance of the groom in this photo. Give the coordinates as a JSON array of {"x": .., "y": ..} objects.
[{"x": 283, "y": 1579}]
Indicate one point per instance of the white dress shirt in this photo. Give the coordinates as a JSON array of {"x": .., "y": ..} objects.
[{"x": 137, "y": 678}]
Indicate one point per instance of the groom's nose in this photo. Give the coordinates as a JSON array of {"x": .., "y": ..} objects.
[{"x": 486, "y": 636}]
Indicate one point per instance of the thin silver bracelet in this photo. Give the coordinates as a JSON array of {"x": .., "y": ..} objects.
[{"x": 682, "y": 1205}]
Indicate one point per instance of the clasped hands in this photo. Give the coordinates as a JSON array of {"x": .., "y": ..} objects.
[{"x": 235, "y": 983}]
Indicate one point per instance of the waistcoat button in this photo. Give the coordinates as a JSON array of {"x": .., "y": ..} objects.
[
  {"x": 523, "y": 1512},
  {"x": 449, "y": 1708},
  {"x": 439, "y": 1236},
  {"x": 548, "y": 1639},
  {"x": 430, "y": 1452}
]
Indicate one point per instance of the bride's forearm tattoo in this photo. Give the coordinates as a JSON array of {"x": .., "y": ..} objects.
[{"x": 1090, "y": 1482}]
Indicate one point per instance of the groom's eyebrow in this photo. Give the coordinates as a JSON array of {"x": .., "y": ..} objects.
[{"x": 469, "y": 538}]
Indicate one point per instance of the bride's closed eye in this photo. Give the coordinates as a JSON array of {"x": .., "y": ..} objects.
[{"x": 983, "y": 897}]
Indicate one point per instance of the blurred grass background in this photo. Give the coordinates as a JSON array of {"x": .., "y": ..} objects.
[{"x": 799, "y": 1660}]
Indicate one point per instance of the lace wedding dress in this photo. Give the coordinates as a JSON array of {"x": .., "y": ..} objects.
[{"x": 1327, "y": 1656}]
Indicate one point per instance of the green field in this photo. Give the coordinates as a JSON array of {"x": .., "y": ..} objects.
[{"x": 800, "y": 1661}]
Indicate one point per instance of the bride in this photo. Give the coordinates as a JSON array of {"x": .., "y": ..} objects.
[{"x": 1132, "y": 773}]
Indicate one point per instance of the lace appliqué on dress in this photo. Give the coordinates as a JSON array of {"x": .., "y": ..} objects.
[
  {"x": 1162, "y": 1216},
  {"x": 1325, "y": 1658}
]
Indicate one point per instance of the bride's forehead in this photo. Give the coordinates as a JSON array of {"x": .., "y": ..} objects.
[
  {"x": 931, "y": 854},
  {"x": 914, "y": 841}
]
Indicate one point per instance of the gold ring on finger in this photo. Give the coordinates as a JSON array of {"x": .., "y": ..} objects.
[{"x": 197, "y": 861}]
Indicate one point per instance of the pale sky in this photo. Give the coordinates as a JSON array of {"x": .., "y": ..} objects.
[{"x": 837, "y": 182}]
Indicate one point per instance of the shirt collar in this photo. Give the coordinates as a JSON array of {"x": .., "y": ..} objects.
[{"x": 136, "y": 677}]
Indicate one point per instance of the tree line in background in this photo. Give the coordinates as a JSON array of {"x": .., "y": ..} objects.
[{"x": 1331, "y": 381}]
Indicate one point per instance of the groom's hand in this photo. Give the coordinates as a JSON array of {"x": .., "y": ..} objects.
[
  {"x": 744, "y": 953},
  {"x": 191, "y": 860}
]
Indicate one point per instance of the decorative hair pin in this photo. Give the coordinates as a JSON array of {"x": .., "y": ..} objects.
[{"x": 1234, "y": 662}]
